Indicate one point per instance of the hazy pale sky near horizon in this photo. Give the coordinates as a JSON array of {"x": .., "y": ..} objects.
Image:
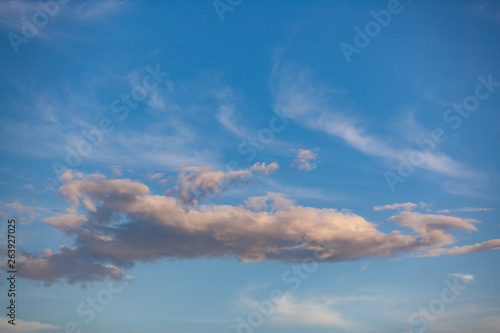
[{"x": 251, "y": 166}]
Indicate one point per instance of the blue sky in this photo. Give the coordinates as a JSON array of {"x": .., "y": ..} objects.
[{"x": 251, "y": 166}]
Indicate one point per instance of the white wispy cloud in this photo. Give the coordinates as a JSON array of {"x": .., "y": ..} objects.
[
  {"x": 156, "y": 176},
  {"x": 14, "y": 11},
  {"x": 488, "y": 245},
  {"x": 465, "y": 209},
  {"x": 318, "y": 108},
  {"x": 25, "y": 326},
  {"x": 93, "y": 9},
  {"x": 24, "y": 214}
]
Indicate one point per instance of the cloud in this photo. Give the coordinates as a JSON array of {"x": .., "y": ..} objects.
[
  {"x": 66, "y": 222},
  {"x": 116, "y": 170},
  {"x": 225, "y": 116},
  {"x": 263, "y": 168},
  {"x": 13, "y": 11},
  {"x": 227, "y": 99},
  {"x": 28, "y": 187},
  {"x": 97, "y": 9},
  {"x": 126, "y": 223},
  {"x": 20, "y": 212},
  {"x": 493, "y": 244},
  {"x": 465, "y": 209},
  {"x": 465, "y": 277},
  {"x": 23, "y": 326},
  {"x": 75, "y": 265},
  {"x": 405, "y": 206},
  {"x": 278, "y": 201},
  {"x": 313, "y": 312},
  {"x": 323, "y": 109},
  {"x": 156, "y": 176},
  {"x": 196, "y": 183},
  {"x": 424, "y": 223},
  {"x": 304, "y": 160}
]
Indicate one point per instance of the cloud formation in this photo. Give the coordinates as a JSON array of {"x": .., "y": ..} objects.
[
  {"x": 72, "y": 264},
  {"x": 117, "y": 222},
  {"x": 465, "y": 209},
  {"x": 20, "y": 212},
  {"x": 405, "y": 206},
  {"x": 305, "y": 160},
  {"x": 324, "y": 109},
  {"x": 465, "y": 277},
  {"x": 273, "y": 201},
  {"x": 289, "y": 311},
  {"x": 196, "y": 183},
  {"x": 493, "y": 244},
  {"x": 24, "y": 326}
]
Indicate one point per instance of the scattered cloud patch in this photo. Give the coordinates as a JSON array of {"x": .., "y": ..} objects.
[
  {"x": 272, "y": 201},
  {"x": 465, "y": 209},
  {"x": 24, "y": 326},
  {"x": 305, "y": 160},
  {"x": 156, "y": 176},
  {"x": 467, "y": 278},
  {"x": 309, "y": 313},
  {"x": 396, "y": 206},
  {"x": 23, "y": 214},
  {"x": 98, "y": 9}
]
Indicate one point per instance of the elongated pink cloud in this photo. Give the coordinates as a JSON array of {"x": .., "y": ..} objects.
[{"x": 120, "y": 222}]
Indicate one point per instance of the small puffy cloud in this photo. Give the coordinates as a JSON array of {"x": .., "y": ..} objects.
[
  {"x": 395, "y": 206},
  {"x": 305, "y": 160},
  {"x": 263, "y": 168},
  {"x": 465, "y": 209},
  {"x": 467, "y": 278}
]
